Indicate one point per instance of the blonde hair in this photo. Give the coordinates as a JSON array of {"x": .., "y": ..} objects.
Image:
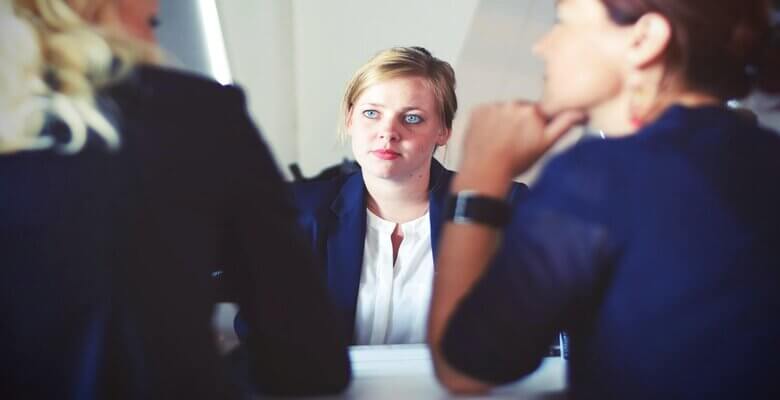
[
  {"x": 398, "y": 62},
  {"x": 53, "y": 65}
]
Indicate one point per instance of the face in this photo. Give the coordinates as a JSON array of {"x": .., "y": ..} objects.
[
  {"x": 139, "y": 18},
  {"x": 136, "y": 18},
  {"x": 583, "y": 56},
  {"x": 395, "y": 127}
]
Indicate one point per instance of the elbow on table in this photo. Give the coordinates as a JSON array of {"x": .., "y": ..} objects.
[{"x": 458, "y": 383}]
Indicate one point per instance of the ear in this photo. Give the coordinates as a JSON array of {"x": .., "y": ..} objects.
[
  {"x": 444, "y": 137},
  {"x": 651, "y": 35}
]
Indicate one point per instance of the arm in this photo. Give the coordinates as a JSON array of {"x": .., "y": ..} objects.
[
  {"x": 293, "y": 343},
  {"x": 466, "y": 249},
  {"x": 457, "y": 271}
]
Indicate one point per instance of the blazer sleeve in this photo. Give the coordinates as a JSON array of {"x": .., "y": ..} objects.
[
  {"x": 293, "y": 345},
  {"x": 546, "y": 275}
]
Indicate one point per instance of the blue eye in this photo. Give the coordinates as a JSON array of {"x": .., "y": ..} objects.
[
  {"x": 372, "y": 114},
  {"x": 412, "y": 119}
]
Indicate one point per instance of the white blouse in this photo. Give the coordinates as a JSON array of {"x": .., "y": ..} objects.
[{"x": 393, "y": 300}]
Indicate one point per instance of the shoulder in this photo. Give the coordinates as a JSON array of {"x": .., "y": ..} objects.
[
  {"x": 177, "y": 90},
  {"x": 584, "y": 158},
  {"x": 579, "y": 180}
]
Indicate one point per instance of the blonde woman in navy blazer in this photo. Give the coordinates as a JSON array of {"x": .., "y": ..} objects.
[{"x": 397, "y": 109}]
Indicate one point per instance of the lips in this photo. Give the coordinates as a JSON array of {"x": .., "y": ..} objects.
[{"x": 386, "y": 154}]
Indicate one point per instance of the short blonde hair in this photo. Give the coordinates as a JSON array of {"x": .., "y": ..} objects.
[
  {"x": 53, "y": 64},
  {"x": 398, "y": 62}
]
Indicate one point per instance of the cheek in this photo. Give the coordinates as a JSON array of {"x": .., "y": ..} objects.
[
  {"x": 424, "y": 144},
  {"x": 581, "y": 75},
  {"x": 358, "y": 140},
  {"x": 135, "y": 17}
]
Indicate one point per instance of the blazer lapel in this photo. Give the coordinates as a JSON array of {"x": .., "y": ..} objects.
[
  {"x": 439, "y": 187},
  {"x": 345, "y": 248}
]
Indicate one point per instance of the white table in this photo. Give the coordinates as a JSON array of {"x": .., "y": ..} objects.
[
  {"x": 405, "y": 372},
  {"x": 402, "y": 372}
]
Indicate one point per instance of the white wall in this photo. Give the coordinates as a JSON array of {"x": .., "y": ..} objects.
[
  {"x": 496, "y": 63},
  {"x": 259, "y": 45},
  {"x": 334, "y": 38},
  {"x": 294, "y": 58}
]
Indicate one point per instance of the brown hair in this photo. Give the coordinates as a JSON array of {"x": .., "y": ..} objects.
[
  {"x": 405, "y": 62},
  {"x": 722, "y": 47}
]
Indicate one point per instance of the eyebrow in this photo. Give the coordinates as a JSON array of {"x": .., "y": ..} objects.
[{"x": 383, "y": 106}]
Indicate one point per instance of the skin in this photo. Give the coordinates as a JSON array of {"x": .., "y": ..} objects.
[
  {"x": 612, "y": 62},
  {"x": 136, "y": 17},
  {"x": 130, "y": 17},
  {"x": 394, "y": 128}
]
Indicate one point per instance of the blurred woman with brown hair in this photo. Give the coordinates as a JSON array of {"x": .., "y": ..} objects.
[{"x": 655, "y": 249}]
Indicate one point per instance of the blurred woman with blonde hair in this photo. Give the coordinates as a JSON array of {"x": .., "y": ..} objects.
[{"x": 123, "y": 186}]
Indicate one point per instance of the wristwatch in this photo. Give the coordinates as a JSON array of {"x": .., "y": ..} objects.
[{"x": 469, "y": 207}]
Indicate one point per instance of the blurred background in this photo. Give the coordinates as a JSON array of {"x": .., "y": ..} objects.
[{"x": 293, "y": 58}]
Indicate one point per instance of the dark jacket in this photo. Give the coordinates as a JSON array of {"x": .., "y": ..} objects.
[
  {"x": 106, "y": 257},
  {"x": 659, "y": 254},
  {"x": 333, "y": 216}
]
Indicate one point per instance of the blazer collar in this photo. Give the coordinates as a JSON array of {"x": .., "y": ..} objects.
[
  {"x": 345, "y": 249},
  {"x": 346, "y": 243},
  {"x": 352, "y": 195}
]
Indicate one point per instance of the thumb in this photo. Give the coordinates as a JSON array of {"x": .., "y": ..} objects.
[{"x": 561, "y": 123}]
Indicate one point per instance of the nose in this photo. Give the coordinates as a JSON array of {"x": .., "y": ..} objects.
[{"x": 389, "y": 129}]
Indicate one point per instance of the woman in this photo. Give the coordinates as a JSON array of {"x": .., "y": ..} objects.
[
  {"x": 655, "y": 249},
  {"x": 123, "y": 186},
  {"x": 375, "y": 230}
]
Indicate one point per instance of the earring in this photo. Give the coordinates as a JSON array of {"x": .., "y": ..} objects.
[{"x": 637, "y": 107}]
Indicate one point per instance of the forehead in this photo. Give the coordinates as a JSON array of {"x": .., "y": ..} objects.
[
  {"x": 578, "y": 4},
  {"x": 414, "y": 90}
]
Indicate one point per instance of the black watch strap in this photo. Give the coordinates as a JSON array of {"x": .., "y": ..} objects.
[{"x": 472, "y": 208}]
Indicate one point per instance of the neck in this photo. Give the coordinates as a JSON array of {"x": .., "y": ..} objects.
[
  {"x": 613, "y": 117},
  {"x": 398, "y": 201}
]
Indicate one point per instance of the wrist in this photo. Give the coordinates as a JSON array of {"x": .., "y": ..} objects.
[
  {"x": 489, "y": 184},
  {"x": 469, "y": 207}
]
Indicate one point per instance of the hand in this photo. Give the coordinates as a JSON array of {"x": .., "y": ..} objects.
[{"x": 508, "y": 138}]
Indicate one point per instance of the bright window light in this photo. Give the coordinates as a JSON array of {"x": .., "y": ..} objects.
[{"x": 215, "y": 42}]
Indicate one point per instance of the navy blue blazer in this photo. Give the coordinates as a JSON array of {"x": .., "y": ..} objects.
[
  {"x": 659, "y": 254},
  {"x": 107, "y": 257},
  {"x": 332, "y": 214}
]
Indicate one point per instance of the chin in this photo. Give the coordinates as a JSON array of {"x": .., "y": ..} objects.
[
  {"x": 380, "y": 171},
  {"x": 551, "y": 107}
]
